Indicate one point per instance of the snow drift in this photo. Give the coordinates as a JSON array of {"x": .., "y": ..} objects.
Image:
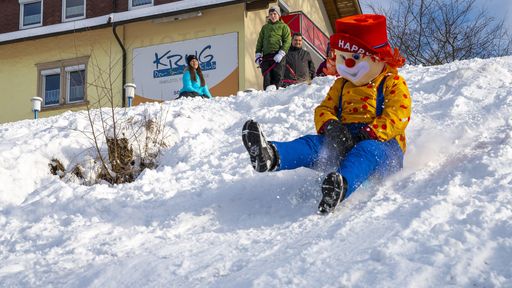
[{"x": 204, "y": 218}]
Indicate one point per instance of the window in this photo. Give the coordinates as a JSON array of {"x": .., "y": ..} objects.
[
  {"x": 51, "y": 86},
  {"x": 63, "y": 82},
  {"x": 75, "y": 83},
  {"x": 73, "y": 9},
  {"x": 31, "y": 13},
  {"x": 139, "y": 3}
]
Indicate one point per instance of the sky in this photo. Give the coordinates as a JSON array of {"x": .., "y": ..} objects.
[
  {"x": 502, "y": 9},
  {"x": 204, "y": 218}
]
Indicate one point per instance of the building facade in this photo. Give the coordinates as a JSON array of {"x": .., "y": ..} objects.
[{"x": 72, "y": 53}]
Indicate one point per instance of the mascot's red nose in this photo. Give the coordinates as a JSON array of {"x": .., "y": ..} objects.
[{"x": 350, "y": 62}]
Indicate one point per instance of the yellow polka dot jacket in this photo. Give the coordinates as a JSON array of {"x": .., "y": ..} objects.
[{"x": 359, "y": 105}]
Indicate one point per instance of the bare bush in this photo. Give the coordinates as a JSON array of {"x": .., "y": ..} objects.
[{"x": 123, "y": 145}]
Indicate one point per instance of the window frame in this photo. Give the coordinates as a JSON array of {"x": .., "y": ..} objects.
[
  {"x": 43, "y": 74},
  {"x": 67, "y": 72},
  {"x": 64, "y": 68},
  {"x": 22, "y": 10},
  {"x": 131, "y": 7},
  {"x": 64, "y": 19}
]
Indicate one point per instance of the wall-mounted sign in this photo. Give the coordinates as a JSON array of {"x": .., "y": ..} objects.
[{"x": 158, "y": 69}]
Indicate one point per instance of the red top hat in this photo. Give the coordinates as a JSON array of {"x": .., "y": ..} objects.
[{"x": 366, "y": 34}]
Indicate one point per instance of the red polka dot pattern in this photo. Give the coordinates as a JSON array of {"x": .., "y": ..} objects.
[{"x": 359, "y": 106}]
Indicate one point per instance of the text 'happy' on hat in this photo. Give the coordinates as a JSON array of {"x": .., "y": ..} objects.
[{"x": 365, "y": 34}]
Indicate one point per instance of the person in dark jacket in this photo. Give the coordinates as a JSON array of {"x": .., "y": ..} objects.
[
  {"x": 299, "y": 65},
  {"x": 194, "y": 84},
  {"x": 273, "y": 44}
]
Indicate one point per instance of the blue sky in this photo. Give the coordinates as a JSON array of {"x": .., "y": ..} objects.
[{"x": 501, "y": 9}]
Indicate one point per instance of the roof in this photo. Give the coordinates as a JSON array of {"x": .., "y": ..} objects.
[
  {"x": 157, "y": 11},
  {"x": 341, "y": 8}
]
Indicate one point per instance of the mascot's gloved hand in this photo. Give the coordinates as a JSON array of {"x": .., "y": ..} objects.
[
  {"x": 366, "y": 133},
  {"x": 338, "y": 137},
  {"x": 279, "y": 56},
  {"x": 258, "y": 58}
]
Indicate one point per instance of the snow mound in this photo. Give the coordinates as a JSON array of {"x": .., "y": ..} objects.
[{"x": 204, "y": 218}]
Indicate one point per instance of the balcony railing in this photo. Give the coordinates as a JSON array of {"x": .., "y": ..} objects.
[{"x": 316, "y": 38}]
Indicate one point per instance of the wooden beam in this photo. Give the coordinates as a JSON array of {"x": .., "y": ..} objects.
[{"x": 341, "y": 8}]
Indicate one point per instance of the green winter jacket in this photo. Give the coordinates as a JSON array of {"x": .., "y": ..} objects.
[{"x": 273, "y": 37}]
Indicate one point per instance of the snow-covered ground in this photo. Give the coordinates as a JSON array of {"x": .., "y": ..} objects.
[{"x": 204, "y": 218}]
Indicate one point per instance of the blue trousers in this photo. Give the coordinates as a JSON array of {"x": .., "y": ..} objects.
[{"x": 367, "y": 158}]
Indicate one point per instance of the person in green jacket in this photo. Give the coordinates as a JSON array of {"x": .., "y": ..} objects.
[{"x": 273, "y": 43}]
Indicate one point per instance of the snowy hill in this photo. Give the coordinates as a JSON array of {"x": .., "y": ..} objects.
[{"x": 204, "y": 218}]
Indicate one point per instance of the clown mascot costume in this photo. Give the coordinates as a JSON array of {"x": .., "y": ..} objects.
[{"x": 360, "y": 123}]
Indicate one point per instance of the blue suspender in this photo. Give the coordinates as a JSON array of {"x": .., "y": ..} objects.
[
  {"x": 380, "y": 98},
  {"x": 341, "y": 97}
]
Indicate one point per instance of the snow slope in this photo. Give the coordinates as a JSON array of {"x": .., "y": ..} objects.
[{"x": 204, "y": 218}]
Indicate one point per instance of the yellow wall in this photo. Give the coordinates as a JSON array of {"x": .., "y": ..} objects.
[
  {"x": 315, "y": 10},
  {"x": 254, "y": 20},
  {"x": 19, "y": 75},
  {"x": 212, "y": 22}
]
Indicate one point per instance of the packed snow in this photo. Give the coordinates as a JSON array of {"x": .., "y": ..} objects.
[{"x": 204, "y": 218}]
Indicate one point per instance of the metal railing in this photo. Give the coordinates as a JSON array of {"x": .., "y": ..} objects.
[{"x": 311, "y": 33}]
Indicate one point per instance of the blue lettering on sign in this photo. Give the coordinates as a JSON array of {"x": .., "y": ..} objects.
[
  {"x": 158, "y": 59},
  {"x": 176, "y": 63},
  {"x": 161, "y": 73}
]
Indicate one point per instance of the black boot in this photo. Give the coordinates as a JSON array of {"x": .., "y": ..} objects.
[
  {"x": 262, "y": 153},
  {"x": 333, "y": 192}
]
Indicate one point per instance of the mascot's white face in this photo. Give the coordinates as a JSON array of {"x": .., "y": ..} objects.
[{"x": 358, "y": 68}]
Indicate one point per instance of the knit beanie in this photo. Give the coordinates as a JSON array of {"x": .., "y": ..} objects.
[
  {"x": 275, "y": 8},
  {"x": 190, "y": 58}
]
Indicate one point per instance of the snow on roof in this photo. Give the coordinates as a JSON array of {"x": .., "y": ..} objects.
[{"x": 119, "y": 17}]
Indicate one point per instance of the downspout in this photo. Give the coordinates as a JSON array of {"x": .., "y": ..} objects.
[
  {"x": 114, "y": 31},
  {"x": 114, "y": 27}
]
